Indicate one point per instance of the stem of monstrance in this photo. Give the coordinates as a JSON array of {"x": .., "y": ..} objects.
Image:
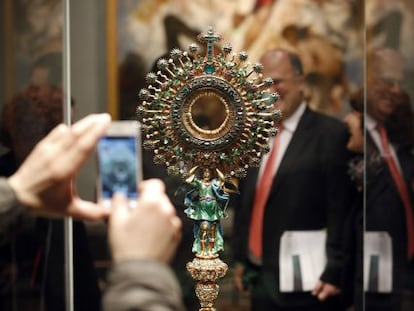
[{"x": 206, "y": 203}]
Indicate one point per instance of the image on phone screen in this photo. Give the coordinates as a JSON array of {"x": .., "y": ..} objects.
[{"x": 117, "y": 165}]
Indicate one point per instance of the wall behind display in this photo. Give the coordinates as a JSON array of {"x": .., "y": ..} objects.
[
  {"x": 390, "y": 24},
  {"x": 88, "y": 72},
  {"x": 32, "y": 33},
  {"x": 31, "y": 45},
  {"x": 327, "y": 34}
]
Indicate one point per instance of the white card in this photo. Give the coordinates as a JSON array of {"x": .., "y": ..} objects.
[
  {"x": 302, "y": 259},
  {"x": 377, "y": 262}
]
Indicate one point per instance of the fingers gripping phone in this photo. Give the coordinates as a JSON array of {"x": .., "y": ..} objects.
[{"x": 119, "y": 162}]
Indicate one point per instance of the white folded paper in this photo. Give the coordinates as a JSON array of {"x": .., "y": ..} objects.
[
  {"x": 302, "y": 259},
  {"x": 377, "y": 262}
]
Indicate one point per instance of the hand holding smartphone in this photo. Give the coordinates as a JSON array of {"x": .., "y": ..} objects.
[{"x": 119, "y": 162}]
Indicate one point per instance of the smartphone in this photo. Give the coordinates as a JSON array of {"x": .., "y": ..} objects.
[{"x": 119, "y": 162}]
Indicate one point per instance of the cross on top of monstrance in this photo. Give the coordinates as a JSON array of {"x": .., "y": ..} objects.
[{"x": 208, "y": 119}]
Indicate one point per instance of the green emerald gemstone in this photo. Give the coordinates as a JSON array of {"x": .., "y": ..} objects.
[
  {"x": 235, "y": 152},
  {"x": 209, "y": 69}
]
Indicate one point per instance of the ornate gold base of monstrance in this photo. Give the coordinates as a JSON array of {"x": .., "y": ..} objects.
[
  {"x": 208, "y": 119},
  {"x": 206, "y": 270}
]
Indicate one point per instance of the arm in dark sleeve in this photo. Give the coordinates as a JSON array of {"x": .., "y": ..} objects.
[
  {"x": 8, "y": 199},
  {"x": 10, "y": 209},
  {"x": 239, "y": 233},
  {"x": 142, "y": 285},
  {"x": 339, "y": 192}
]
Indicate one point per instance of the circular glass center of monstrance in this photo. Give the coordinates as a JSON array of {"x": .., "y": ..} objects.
[{"x": 207, "y": 115}]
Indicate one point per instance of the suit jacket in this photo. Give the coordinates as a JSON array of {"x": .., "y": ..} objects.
[
  {"x": 310, "y": 191},
  {"x": 384, "y": 210},
  {"x": 10, "y": 210}
]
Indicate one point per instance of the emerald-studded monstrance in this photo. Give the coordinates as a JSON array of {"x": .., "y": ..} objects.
[
  {"x": 173, "y": 125},
  {"x": 208, "y": 118}
]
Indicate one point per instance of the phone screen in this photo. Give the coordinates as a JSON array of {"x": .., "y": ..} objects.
[{"x": 118, "y": 166}]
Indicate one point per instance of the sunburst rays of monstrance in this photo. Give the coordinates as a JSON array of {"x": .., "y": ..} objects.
[{"x": 208, "y": 118}]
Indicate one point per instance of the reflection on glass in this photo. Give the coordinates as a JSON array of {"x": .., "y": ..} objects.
[
  {"x": 389, "y": 128},
  {"x": 31, "y": 252}
]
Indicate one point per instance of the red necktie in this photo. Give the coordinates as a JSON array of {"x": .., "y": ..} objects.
[
  {"x": 260, "y": 199},
  {"x": 402, "y": 189}
]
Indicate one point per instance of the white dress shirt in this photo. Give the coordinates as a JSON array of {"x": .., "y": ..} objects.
[{"x": 289, "y": 127}]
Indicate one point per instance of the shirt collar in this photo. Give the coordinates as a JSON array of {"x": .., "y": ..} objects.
[
  {"x": 292, "y": 122},
  {"x": 370, "y": 123}
]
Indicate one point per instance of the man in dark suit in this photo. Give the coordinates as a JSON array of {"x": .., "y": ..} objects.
[
  {"x": 309, "y": 190},
  {"x": 390, "y": 171}
]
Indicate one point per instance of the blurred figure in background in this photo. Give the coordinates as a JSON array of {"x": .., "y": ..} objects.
[
  {"x": 389, "y": 215},
  {"x": 307, "y": 191},
  {"x": 36, "y": 245}
]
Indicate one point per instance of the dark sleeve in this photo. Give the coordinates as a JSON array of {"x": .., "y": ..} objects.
[
  {"x": 242, "y": 204},
  {"x": 240, "y": 228},
  {"x": 142, "y": 285},
  {"x": 339, "y": 194},
  {"x": 8, "y": 199},
  {"x": 10, "y": 209}
]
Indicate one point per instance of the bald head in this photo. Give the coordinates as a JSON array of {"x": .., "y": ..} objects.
[
  {"x": 272, "y": 56},
  {"x": 285, "y": 68},
  {"x": 384, "y": 76},
  {"x": 385, "y": 63}
]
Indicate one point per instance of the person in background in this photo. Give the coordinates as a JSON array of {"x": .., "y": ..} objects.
[
  {"x": 389, "y": 173},
  {"x": 308, "y": 189}
]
